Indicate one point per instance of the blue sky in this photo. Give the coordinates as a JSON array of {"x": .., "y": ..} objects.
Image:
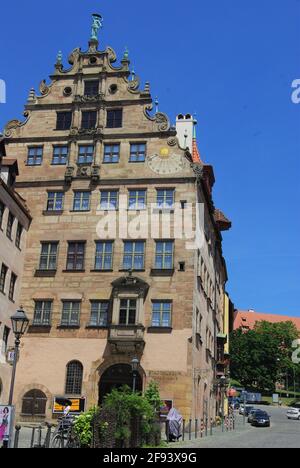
[{"x": 232, "y": 63}]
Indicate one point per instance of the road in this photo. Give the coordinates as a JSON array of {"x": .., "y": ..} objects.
[{"x": 282, "y": 434}]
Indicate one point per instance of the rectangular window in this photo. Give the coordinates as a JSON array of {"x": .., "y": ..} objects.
[
  {"x": 109, "y": 200},
  {"x": 48, "y": 259},
  {"x": 134, "y": 255},
  {"x": 91, "y": 88},
  {"x": 9, "y": 227},
  {"x": 82, "y": 201},
  {"x": 60, "y": 155},
  {"x": 3, "y": 275},
  {"x": 19, "y": 235},
  {"x": 6, "y": 333},
  {"x": 128, "y": 312},
  {"x": 55, "y": 201},
  {"x": 42, "y": 313},
  {"x": 64, "y": 120},
  {"x": 137, "y": 200},
  {"x": 89, "y": 119},
  {"x": 12, "y": 286},
  {"x": 71, "y": 314},
  {"x": 99, "y": 314},
  {"x": 104, "y": 256},
  {"x": 85, "y": 154},
  {"x": 164, "y": 255},
  {"x": 114, "y": 118},
  {"x": 161, "y": 314},
  {"x": 35, "y": 156},
  {"x": 111, "y": 154},
  {"x": 2, "y": 208},
  {"x": 165, "y": 198},
  {"x": 137, "y": 152},
  {"x": 76, "y": 254}
]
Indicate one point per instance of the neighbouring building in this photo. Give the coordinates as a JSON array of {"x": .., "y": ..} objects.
[
  {"x": 91, "y": 151},
  {"x": 14, "y": 224},
  {"x": 246, "y": 319}
]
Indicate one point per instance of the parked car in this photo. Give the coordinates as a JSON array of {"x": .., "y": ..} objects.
[
  {"x": 253, "y": 413},
  {"x": 261, "y": 419},
  {"x": 293, "y": 413},
  {"x": 245, "y": 410}
]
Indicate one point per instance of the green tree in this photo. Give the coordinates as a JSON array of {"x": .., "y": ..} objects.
[{"x": 260, "y": 356}]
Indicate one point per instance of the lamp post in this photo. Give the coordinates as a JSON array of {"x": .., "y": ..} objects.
[
  {"x": 20, "y": 324},
  {"x": 135, "y": 365}
]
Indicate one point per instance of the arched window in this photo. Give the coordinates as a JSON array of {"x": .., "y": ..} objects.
[
  {"x": 74, "y": 378},
  {"x": 34, "y": 403}
]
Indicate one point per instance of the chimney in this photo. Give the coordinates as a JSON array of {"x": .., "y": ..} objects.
[{"x": 185, "y": 130}]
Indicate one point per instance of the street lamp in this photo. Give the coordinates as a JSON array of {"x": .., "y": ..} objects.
[
  {"x": 20, "y": 324},
  {"x": 134, "y": 365}
]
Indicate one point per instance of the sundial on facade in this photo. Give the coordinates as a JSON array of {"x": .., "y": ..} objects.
[{"x": 166, "y": 163}]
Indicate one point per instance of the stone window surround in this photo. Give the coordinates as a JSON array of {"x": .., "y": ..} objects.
[{"x": 140, "y": 311}]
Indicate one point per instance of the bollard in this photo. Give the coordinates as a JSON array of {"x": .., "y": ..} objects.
[
  {"x": 211, "y": 427},
  {"x": 196, "y": 428},
  {"x": 17, "y": 436},
  {"x": 206, "y": 427},
  {"x": 190, "y": 429},
  {"x": 48, "y": 436},
  {"x": 183, "y": 430},
  {"x": 32, "y": 437},
  {"x": 168, "y": 431},
  {"x": 202, "y": 428}
]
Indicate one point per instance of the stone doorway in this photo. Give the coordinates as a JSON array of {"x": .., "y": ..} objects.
[{"x": 115, "y": 377}]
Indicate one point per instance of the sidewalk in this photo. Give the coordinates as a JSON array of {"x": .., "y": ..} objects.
[{"x": 217, "y": 437}]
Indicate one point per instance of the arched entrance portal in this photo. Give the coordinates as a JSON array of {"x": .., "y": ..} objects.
[{"x": 115, "y": 377}]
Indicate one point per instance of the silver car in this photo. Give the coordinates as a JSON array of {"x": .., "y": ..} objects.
[{"x": 293, "y": 413}]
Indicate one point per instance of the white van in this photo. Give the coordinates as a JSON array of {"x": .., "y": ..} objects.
[{"x": 293, "y": 413}]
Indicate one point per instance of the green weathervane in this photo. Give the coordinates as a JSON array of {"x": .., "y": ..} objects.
[{"x": 96, "y": 26}]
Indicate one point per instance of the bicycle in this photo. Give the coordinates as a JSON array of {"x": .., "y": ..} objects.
[{"x": 64, "y": 435}]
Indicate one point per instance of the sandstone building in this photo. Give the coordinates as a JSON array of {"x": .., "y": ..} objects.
[
  {"x": 92, "y": 148},
  {"x": 14, "y": 224}
]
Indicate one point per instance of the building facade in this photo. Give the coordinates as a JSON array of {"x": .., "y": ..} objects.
[
  {"x": 246, "y": 319},
  {"x": 113, "y": 268},
  {"x": 14, "y": 224}
]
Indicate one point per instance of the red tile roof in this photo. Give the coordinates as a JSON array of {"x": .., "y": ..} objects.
[{"x": 247, "y": 319}]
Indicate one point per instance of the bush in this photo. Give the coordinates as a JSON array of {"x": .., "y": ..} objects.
[{"x": 83, "y": 427}]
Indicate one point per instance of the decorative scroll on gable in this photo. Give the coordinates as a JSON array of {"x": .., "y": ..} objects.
[
  {"x": 13, "y": 125},
  {"x": 161, "y": 119}
]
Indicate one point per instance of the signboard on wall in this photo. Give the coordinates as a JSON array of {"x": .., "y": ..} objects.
[{"x": 77, "y": 405}]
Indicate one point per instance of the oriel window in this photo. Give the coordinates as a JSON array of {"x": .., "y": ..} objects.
[
  {"x": 128, "y": 309},
  {"x": 89, "y": 120},
  {"x": 114, "y": 118},
  {"x": 64, "y": 120}
]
